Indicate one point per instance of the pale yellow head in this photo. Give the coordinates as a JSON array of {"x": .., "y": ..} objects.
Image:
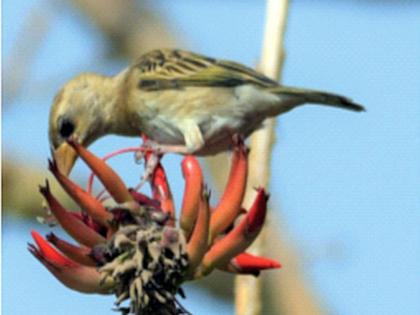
[{"x": 80, "y": 110}]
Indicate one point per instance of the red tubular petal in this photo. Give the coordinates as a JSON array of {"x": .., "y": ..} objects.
[
  {"x": 246, "y": 263},
  {"x": 71, "y": 274},
  {"x": 162, "y": 192},
  {"x": 86, "y": 201},
  {"x": 256, "y": 215},
  {"x": 107, "y": 157},
  {"x": 50, "y": 252},
  {"x": 70, "y": 223},
  {"x": 89, "y": 222},
  {"x": 229, "y": 206},
  {"x": 237, "y": 240},
  {"x": 198, "y": 243},
  {"x": 76, "y": 253},
  {"x": 193, "y": 176},
  {"x": 144, "y": 200},
  {"x": 112, "y": 182}
]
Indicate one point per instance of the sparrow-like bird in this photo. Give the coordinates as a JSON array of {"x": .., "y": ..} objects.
[{"x": 182, "y": 101}]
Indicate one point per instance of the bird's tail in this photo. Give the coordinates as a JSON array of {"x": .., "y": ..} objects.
[{"x": 311, "y": 96}]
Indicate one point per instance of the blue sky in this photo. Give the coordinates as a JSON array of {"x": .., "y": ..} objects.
[{"x": 343, "y": 180}]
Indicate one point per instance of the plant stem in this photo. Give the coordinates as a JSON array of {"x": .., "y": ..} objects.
[{"x": 248, "y": 289}]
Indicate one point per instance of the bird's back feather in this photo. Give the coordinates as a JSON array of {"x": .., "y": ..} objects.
[
  {"x": 177, "y": 69},
  {"x": 171, "y": 69}
]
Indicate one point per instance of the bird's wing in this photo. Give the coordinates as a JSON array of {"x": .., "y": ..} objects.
[{"x": 173, "y": 69}]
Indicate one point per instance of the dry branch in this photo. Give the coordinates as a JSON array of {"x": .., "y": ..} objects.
[
  {"x": 248, "y": 291},
  {"x": 130, "y": 25},
  {"x": 20, "y": 188}
]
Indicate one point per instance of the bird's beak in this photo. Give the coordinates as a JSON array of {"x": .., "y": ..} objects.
[{"x": 65, "y": 156}]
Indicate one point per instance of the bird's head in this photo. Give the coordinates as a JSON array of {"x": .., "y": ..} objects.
[{"x": 77, "y": 112}]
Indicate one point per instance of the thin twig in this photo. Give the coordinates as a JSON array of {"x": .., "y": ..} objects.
[{"x": 248, "y": 289}]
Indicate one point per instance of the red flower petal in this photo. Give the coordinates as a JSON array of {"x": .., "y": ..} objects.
[
  {"x": 193, "y": 176},
  {"x": 198, "y": 243},
  {"x": 229, "y": 206},
  {"x": 87, "y": 202},
  {"x": 70, "y": 223},
  {"x": 237, "y": 240},
  {"x": 89, "y": 222},
  {"x": 76, "y": 253},
  {"x": 144, "y": 200},
  {"x": 162, "y": 192},
  {"x": 108, "y": 177},
  {"x": 246, "y": 263},
  {"x": 74, "y": 276},
  {"x": 50, "y": 252}
]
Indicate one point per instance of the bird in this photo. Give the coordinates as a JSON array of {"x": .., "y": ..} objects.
[{"x": 183, "y": 102}]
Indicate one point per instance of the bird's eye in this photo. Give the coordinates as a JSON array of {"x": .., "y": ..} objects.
[{"x": 65, "y": 127}]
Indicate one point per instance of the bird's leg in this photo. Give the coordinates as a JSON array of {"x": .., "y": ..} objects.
[
  {"x": 152, "y": 151},
  {"x": 152, "y": 160},
  {"x": 151, "y": 156},
  {"x": 238, "y": 140},
  {"x": 143, "y": 150}
]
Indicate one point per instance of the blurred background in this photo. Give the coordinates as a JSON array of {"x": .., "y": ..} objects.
[{"x": 345, "y": 186}]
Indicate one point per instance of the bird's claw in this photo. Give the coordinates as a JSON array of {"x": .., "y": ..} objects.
[
  {"x": 151, "y": 154},
  {"x": 139, "y": 156},
  {"x": 147, "y": 148},
  {"x": 238, "y": 142},
  {"x": 152, "y": 162},
  {"x": 238, "y": 139}
]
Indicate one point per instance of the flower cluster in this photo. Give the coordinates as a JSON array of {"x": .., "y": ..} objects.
[{"x": 136, "y": 249}]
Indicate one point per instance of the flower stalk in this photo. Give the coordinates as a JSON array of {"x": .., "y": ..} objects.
[{"x": 248, "y": 290}]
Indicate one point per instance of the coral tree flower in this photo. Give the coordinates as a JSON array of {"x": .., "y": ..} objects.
[{"x": 137, "y": 249}]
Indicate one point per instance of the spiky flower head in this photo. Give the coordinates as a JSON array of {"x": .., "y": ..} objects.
[{"x": 136, "y": 249}]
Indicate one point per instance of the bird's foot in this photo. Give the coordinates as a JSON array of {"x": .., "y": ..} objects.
[
  {"x": 238, "y": 143},
  {"x": 148, "y": 152},
  {"x": 152, "y": 160},
  {"x": 145, "y": 149},
  {"x": 151, "y": 152},
  {"x": 238, "y": 140}
]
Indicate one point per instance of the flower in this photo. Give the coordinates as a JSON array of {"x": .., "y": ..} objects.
[{"x": 137, "y": 249}]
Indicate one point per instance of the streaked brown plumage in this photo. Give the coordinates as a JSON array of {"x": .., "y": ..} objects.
[{"x": 185, "y": 102}]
